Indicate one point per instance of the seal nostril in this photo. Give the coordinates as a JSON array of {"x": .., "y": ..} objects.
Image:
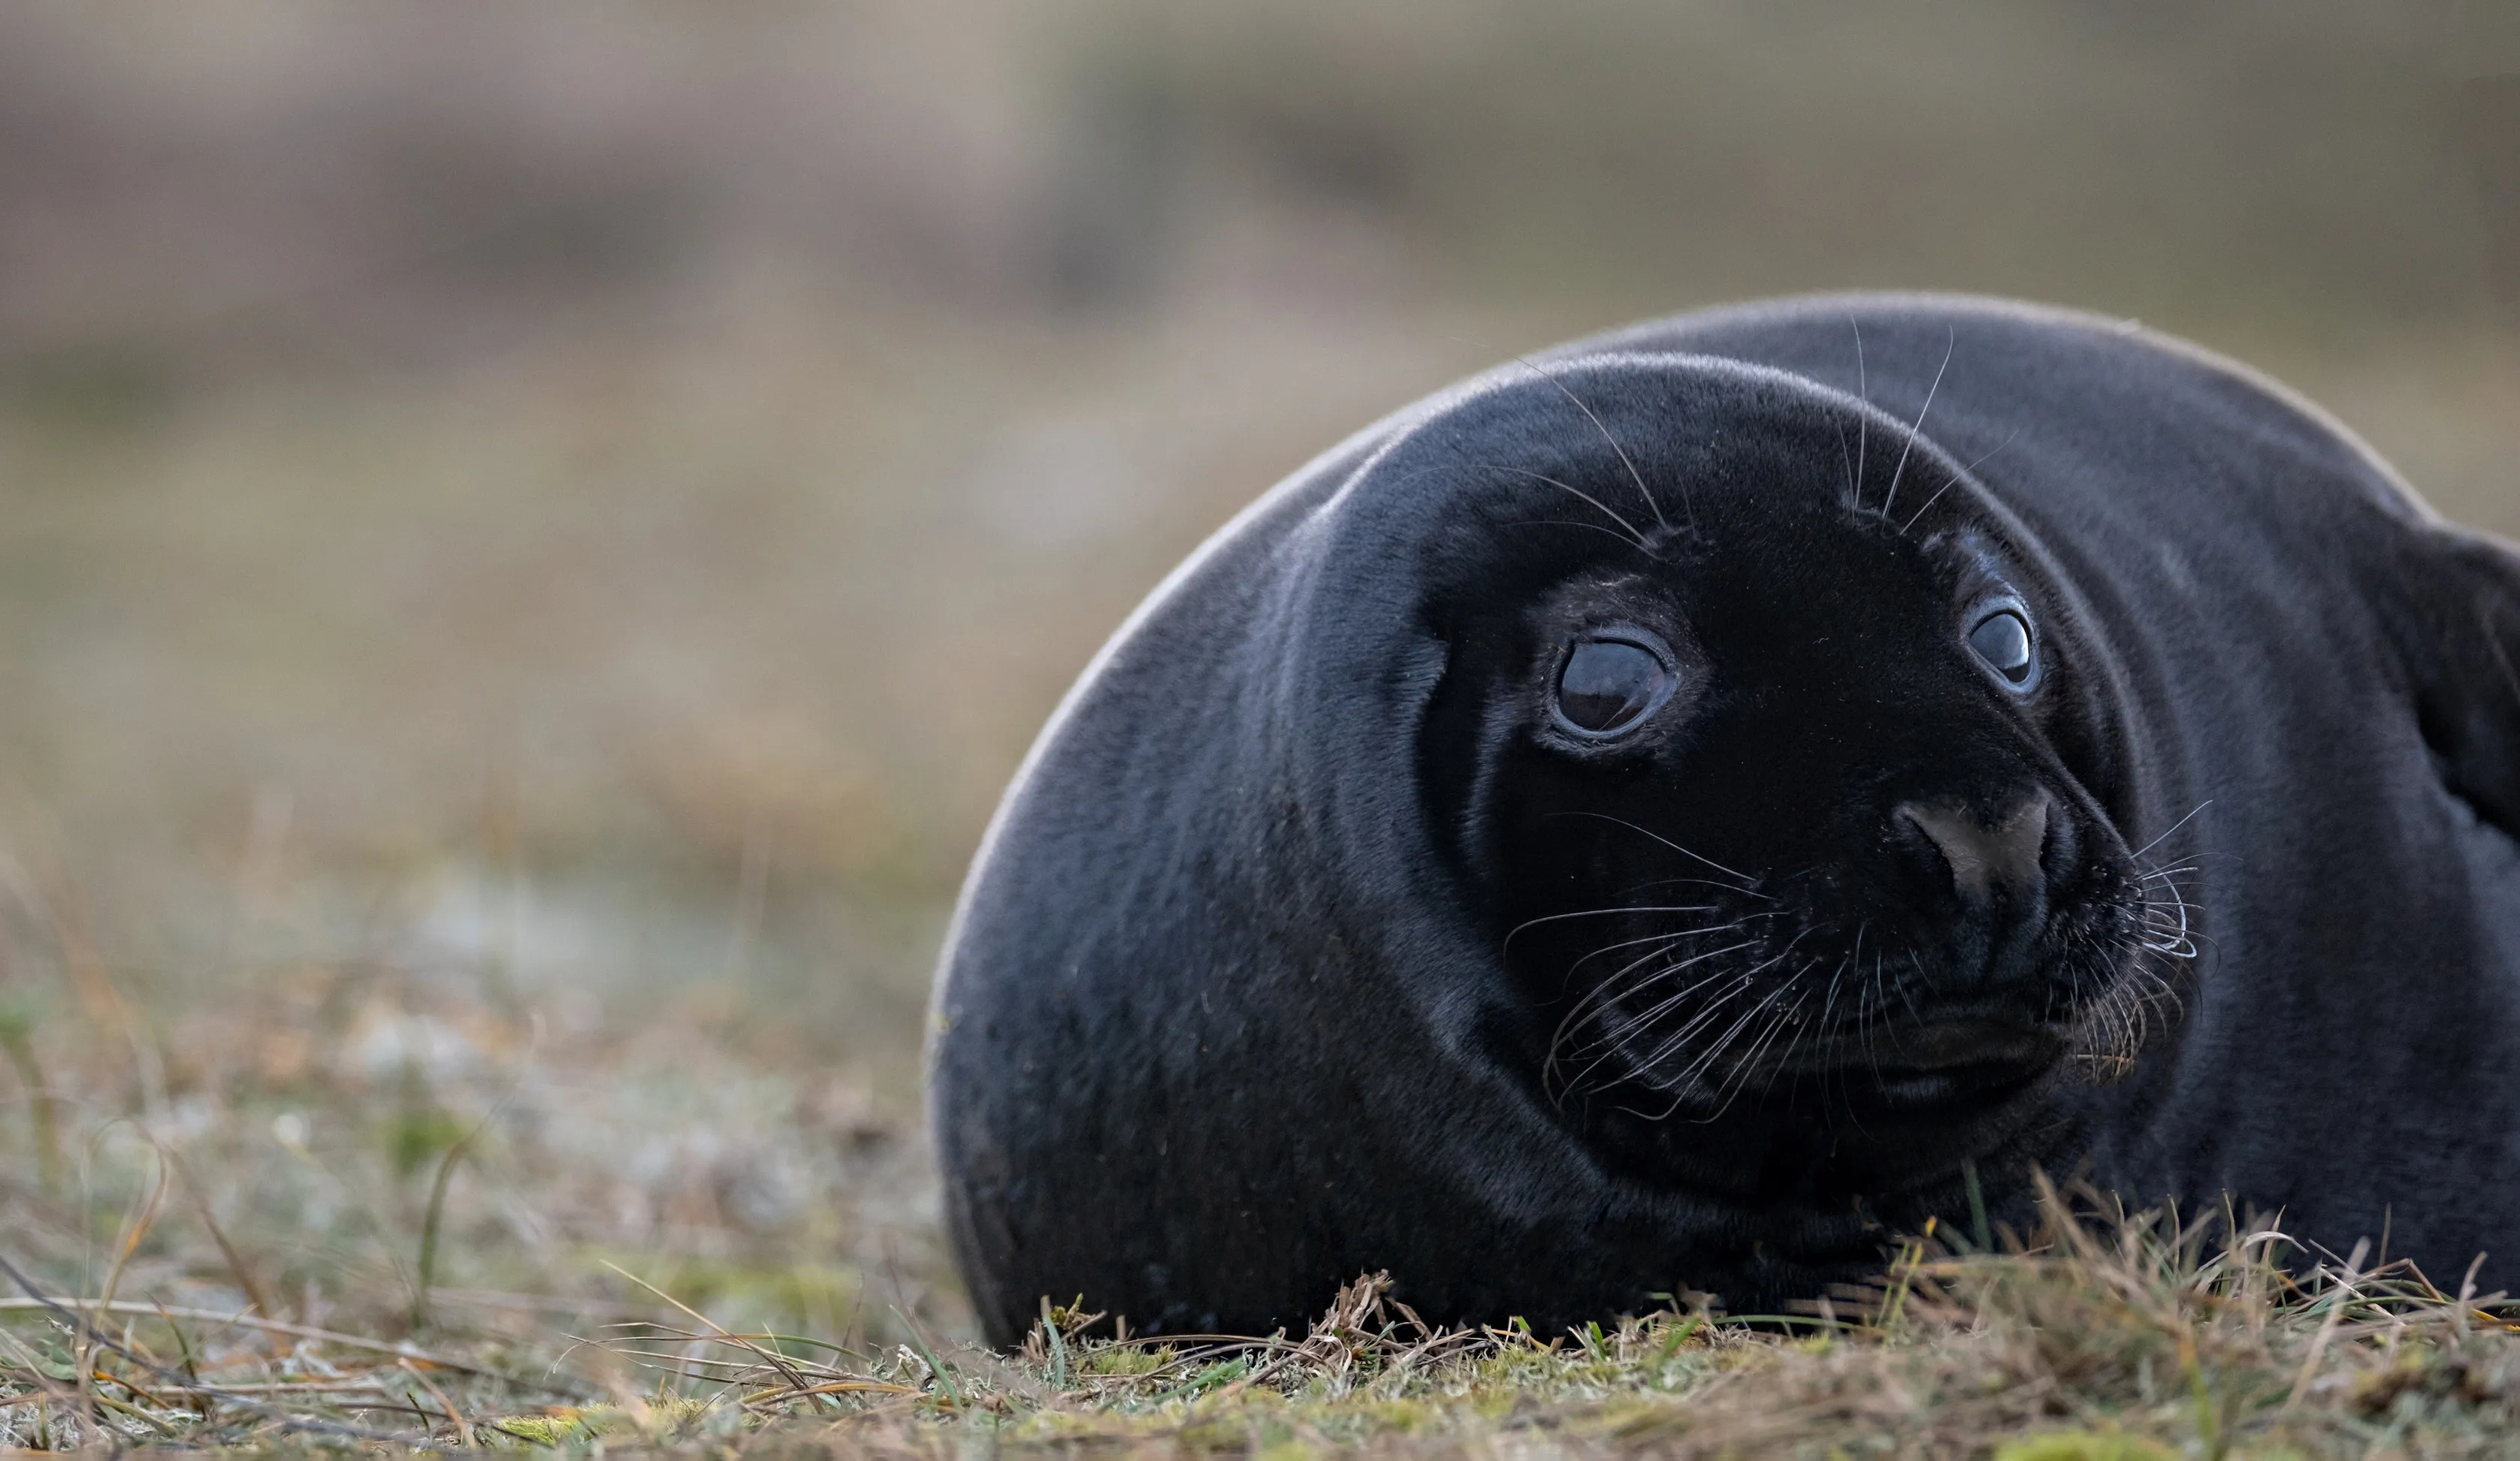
[{"x": 1984, "y": 857}]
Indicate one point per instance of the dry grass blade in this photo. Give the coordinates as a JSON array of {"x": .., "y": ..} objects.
[
  {"x": 463, "y": 1427},
  {"x": 2327, "y": 1326},
  {"x": 135, "y": 1229},
  {"x": 399, "y": 1348},
  {"x": 238, "y": 1268},
  {"x": 778, "y": 1362},
  {"x": 178, "y": 1380}
]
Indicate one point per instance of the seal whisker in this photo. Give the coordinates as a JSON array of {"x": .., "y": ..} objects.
[
  {"x": 1736, "y": 1079},
  {"x": 1598, "y": 505},
  {"x": 1785, "y": 1062},
  {"x": 1856, "y": 953},
  {"x": 1611, "y": 1045},
  {"x": 1983, "y": 457},
  {"x": 1950, "y": 342},
  {"x": 1607, "y": 988},
  {"x": 2119, "y": 1025},
  {"x": 1828, "y": 1005},
  {"x": 1748, "y": 883},
  {"x": 1647, "y": 983},
  {"x": 1854, "y": 493},
  {"x": 1748, "y": 1065},
  {"x": 1662, "y": 938},
  {"x": 1606, "y": 991},
  {"x": 1602, "y": 994},
  {"x": 1725, "y": 1040},
  {"x": 1714, "y": 1007},
  {"x": 1599, "y": 1053},
  {"x": 1697, "y": 1066},
  {"x": 1872, "y": 1004},
  {"x": 1863, "y": 420},
  {"x": 2163, "y": 913},
  {"x": 1680, "y": 907},
  {"x": 1632, "y": 536},
  {"x": 1703, "y": 882},
  {"x": 2173, "y": 827},
  {"x": 1663, "y": 1051},
  {"x": 1590, "y": 527},
  {"x": 1919, "y": 514},
  {"x": 1898, "y": 987},
  {"x": 1643, "y": 1067},
  {"x": 1634, "y": 475},
  {"x": 1634, "y": 1026},
  {"x": 1863, "y": 1039}
]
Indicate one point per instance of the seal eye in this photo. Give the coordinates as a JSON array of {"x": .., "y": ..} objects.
[
  {"x": 2002, "y": 639},
  {"x": 1610, "y": 685}
]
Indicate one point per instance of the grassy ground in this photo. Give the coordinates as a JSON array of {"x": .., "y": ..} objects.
[{"x": 376, "y": 1222}]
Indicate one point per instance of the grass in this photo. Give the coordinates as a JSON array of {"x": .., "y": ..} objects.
[
  {"x": 2130, "y": 1338},
  {"x": 457, "y": 1256}
]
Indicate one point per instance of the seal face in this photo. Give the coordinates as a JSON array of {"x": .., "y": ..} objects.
[
  {"x": 1772, "y": 807},
  {"x": 1654, "y": 819}
]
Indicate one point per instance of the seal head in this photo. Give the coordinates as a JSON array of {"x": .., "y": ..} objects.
[{"x": 1785, "y": 802}]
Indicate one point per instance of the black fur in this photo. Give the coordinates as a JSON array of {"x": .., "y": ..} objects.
[{"x": 1286, "y": 959}]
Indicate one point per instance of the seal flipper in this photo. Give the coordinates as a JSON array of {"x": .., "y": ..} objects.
[{"x": 2460, "y": 643}]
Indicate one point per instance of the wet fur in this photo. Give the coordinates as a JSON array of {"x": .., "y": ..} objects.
[{"x": 1295, "y": 952}]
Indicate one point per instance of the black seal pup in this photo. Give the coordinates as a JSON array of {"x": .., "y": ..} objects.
[{"x": 1664, "y": 815}]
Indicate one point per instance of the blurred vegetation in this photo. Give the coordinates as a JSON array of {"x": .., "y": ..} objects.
[{"x": 531, "y": 537}]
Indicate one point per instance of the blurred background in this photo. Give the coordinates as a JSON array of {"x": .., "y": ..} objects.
[{"x": 531, "y": 537}]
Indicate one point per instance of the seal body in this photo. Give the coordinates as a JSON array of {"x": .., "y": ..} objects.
[{"x": 1667, "y": 816}]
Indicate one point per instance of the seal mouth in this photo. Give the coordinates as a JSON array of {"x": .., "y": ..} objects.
[
  {"x": 1947, "y": 1061},
  {"x": 1958, "y": 1041}
]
